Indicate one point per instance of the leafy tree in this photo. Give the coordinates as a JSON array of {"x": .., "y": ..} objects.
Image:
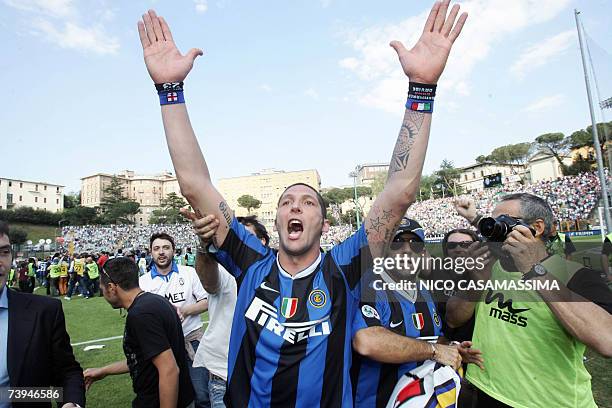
[
  {"x": 169, "y": 213},
  {"x": 115, "y": 206},
  {"x": 511, "y": 154},
  {"x": 555, "y": 144},
  {"x": 378, "y": 184},
  {"x": 72, "y": 200},
  {"x": 249, "y": 202},
  {"x": 349, "y": 217},
  {"x": 81, "y": 215},
  {"x": 18, "y": 236},
  {"x": 581, "y": 164},
  {"x": 482, "y": 159},
  {"x": 426, "y": 185},
  {"x": 447, "y": 176}
]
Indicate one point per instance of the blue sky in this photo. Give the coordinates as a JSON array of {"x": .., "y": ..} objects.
[{"x": 288, "y": 85}]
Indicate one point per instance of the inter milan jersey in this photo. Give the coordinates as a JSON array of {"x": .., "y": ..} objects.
[
  {"x": 290, "y": 344},
  {"x": 408, "y": 316}
]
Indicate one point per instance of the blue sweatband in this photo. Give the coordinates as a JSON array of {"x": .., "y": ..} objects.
[{"x": 170, "y": 93}]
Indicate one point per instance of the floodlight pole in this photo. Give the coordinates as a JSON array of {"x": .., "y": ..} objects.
[{"x": 596, "y": 145}]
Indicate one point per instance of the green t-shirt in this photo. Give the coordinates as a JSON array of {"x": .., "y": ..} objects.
[
  {"x": 191, "y": 258},
  {"x": 530, "y": 360},
  {"x": 54, "y": 271},
  {"x": 92, "y": 270},
  {"x": 178, "y": 260}
]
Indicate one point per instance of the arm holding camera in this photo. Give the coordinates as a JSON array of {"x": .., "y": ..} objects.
[{"x": 577, "y": 314}]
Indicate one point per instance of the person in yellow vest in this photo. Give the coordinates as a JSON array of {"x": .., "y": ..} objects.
[
  {"x": 533, "y": 340},
  {"x": 54, "y": 276},
  {"x": 91, "y": 276},
  {"x": 32, "y": 273},
  {"x": 77, "y": 269},
  {"x": 63, "y": 278}
]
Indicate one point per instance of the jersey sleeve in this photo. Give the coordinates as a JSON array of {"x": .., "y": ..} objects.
[
  {"x": 353, "y": 257},
  {"x": 371, "y": 314},
  {"x": 240, "y": 250}
]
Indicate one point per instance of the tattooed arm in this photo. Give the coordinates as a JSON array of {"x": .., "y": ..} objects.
[
  {"x": 166, "y": 64},
  {"x": 424, "y": 64}
]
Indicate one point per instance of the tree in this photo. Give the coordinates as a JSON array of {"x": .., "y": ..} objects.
[
  {"x": 115, "y": 206},
  {"x": 81, "y": 215},
  {"x": 555, "y": 144},
  {"x": 169, "y": 213},
  {"x": 72, "y": 200},
  {"x": 18, "y": 236},
  {"x": 378, "y": 184},
  {"x": 580, "y": 164},
  {"x": 249, "y": 202},
  {"x": 426, "y": 185},
  {"x": 349, "y": 217},
  {"x": 511, "y": 154},
  {"x": 482, "y": 159},
  {"x": 447, "y": 176}
]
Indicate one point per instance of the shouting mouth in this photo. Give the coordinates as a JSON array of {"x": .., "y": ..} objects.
[{"x": 295, "y": 229}]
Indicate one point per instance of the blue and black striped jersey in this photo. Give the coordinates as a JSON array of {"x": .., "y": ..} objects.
[
  {"x": 373, "y": 382},
  {"x": 290, "y": 343}
]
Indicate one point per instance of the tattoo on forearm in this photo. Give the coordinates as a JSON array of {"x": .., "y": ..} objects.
[
  {"x": 410, "y": 129},
  {"x": 227, "y": 213},
  {"x": 380, "y": 225}
]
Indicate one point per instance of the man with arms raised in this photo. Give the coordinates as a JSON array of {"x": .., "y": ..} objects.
[{"x": 291, "y": 334}]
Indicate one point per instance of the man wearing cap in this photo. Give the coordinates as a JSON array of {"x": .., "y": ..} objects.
[{"x": 404, "y": 320}]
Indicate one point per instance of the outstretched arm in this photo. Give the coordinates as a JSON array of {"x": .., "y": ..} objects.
[
  {"x": 166, "y": 65},
  {"x": 423, "y": 64}
]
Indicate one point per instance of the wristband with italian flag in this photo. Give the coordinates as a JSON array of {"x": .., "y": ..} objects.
[{"x": 421, "y": 97}]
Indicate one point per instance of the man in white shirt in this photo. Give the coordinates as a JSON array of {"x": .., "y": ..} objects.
[
  {"x": 221, "y": 288},
  {"x": 182, "y": 287}
]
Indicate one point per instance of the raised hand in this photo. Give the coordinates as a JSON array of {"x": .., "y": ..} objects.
[
  {"x": 162, "y": 58},
  {"x": 205, "y": 228},
  {"x": 466, "y": 208},
  {"x": 425, "y": 62}
]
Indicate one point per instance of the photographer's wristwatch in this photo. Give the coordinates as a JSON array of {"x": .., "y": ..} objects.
[{"x": 536, "y": 271}]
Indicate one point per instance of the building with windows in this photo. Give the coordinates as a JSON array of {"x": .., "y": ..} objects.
[
  {"x": 147, "y": 190},
  {"x": 266, "y": 186},
  {"x": 367, "y": 173},
  {"x": 36, "y": 194}
]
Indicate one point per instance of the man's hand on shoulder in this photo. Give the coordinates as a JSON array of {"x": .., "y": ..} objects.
[{"x": 164, "y": 61}]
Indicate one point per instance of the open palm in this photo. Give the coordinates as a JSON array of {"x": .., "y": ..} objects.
[
  {"x": 425, "y": 62},
  {"x": 164, "y": 61}
]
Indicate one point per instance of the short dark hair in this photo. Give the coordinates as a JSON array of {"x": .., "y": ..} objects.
[
  {"x": 472, "y": 234},
  {"x": 161, "y": 235},
  {"x": 122, "y": 271},
  {"x": 260, "y": 230},
  {"x": 4, "y": 228},
  {"x": 317, "y": 194}
]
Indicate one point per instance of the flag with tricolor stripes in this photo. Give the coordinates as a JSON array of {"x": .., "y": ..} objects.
[{"x": 289, "y": 307}]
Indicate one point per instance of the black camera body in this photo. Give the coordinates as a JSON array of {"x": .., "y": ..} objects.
[{"x": 497, "y": 229}]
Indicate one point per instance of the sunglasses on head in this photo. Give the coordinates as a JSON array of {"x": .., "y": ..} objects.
[
  {"x": 455, "y": 245},
  {"x": 108, "y": 276},
  {"x": 416, "y": 245}
]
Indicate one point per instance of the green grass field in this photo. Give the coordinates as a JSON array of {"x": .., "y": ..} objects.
[
  {"x": 37, "y": 232},
  {"x": 93, "y": 319}
]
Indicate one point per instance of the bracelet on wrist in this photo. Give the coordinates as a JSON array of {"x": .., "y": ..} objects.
[
  {"x": 170, "y": 93},
  {"x": 476, "y": 220},
  {"x": 421, "y": 97}
]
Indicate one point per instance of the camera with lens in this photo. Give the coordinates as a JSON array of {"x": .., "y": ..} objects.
[{"x": 497, "y": 229}]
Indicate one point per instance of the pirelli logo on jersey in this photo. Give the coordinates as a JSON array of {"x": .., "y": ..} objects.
[{"x": 266, "y": 315}]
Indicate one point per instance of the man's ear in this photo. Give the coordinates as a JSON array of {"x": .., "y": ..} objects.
[
  {"x": 539, "y": 226},
  {"x": 325, "y": 226}
]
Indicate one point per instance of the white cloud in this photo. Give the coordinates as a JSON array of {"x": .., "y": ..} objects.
[
  {"x": 311, "y": 93},
  {"x": 265, "y": 87},
  {"x": 53, "y": 8},
  {"x": 59, "y": 22},
  {"x": 384, "y": 84},
  {"x": 541, "y": 53},
  {"x": 74, "y": 36},
  {"x": 545, "y": 103},
  {"x": 201, "y": 6}
]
